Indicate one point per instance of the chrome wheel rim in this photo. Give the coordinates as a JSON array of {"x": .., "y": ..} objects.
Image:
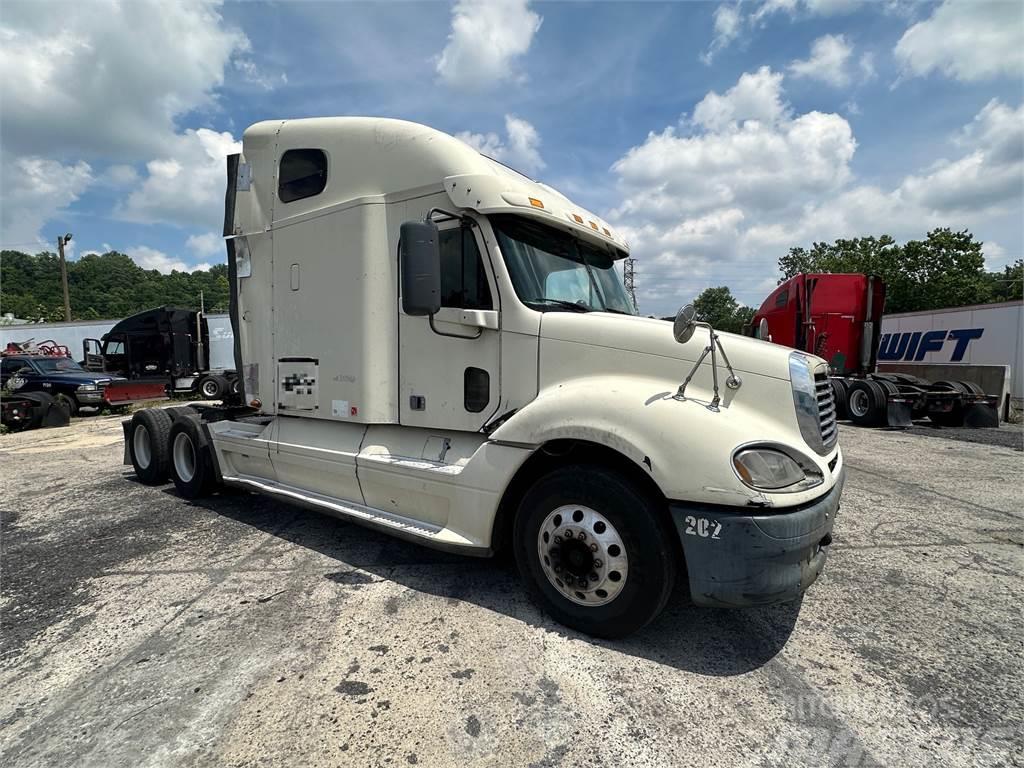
[
  {"x": 184, "y": 457},
  {"x": 143, "y": 447},
  {"x": 582, "y": 555},
  {"x": 209, "y": 388},
  {"x": 859, "y": 402}
]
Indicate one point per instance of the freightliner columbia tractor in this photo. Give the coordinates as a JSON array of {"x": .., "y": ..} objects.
[{"x": 433, "y": 345}]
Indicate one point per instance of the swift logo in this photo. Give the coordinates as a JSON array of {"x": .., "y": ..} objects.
[{"x": 914, "y": 345}]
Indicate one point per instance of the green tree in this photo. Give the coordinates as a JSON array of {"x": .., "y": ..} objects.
[
  {"x": 719, "y": 307},
  {"x": 102, "y": 286},
  {"x": 946, "y": 269}
]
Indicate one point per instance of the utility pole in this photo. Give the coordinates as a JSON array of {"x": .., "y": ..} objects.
[
  {"x": 61, "y": 242},
  {"x": 628, "y": 280}
]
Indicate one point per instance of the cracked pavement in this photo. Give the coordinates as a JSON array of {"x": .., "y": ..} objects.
[{"x": 139, "y": 629}]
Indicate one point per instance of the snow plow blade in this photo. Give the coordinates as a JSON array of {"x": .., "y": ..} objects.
[{"x": 128, "y": 392}]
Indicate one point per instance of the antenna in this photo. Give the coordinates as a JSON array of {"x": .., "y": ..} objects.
[{"x": 629, "y": 281}]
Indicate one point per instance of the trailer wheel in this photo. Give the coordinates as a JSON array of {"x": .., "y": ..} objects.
[
  {"x": 68, "y": 403},
  {"x": 866, "y": 403},
  {"x": 840, "y": 395},
  {"x": 191, "y": 464},
  {"x": 213, "y": 387},
  {"x": 594, "y": 551},
  {"x": 949, "y": 386},
  {"x": 149, "y": 445},
  {"x": 235, "y": 386}
]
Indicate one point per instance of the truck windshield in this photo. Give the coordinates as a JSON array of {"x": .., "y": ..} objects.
[
  {"x": 553, "y": 271},
  {"x": 58, "y": 365}
]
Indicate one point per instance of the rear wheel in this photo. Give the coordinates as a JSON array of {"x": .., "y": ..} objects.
[
  {"x": 213, "y": 387},
  {"x": 594, "y": 551},
  {"x": 866, "y": 403},
  {"x": 191, "y": 464},
  {"x": 148, "y": 445}
]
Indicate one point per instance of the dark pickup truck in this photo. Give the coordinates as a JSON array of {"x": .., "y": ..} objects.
[{"x": 61, "y": 377}]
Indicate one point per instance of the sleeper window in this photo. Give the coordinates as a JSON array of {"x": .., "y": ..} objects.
[
  {"x": 463, "y": 280},
  {"x": 302, "y": 173}
]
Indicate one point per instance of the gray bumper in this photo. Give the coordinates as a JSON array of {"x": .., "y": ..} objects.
[{"x": 734, "y": 558}]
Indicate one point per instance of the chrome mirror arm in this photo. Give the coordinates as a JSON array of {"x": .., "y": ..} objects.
[{"x": 714, "y": 345}]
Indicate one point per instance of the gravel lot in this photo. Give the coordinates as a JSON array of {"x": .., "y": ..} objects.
[{"x": 139, "y": 629}]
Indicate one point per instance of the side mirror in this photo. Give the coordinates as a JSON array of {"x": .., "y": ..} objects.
[
  {"x": 762, "y": 330},
  {"x": 420, "y": 261},
  {"x": 685, "y": 323}
]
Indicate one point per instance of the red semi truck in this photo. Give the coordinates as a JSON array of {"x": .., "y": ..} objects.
[{"x": 838, "y": 317}]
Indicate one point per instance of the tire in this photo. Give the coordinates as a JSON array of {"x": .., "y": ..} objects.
[
  {"x": 622, "y": 524},
  {"x": 149, "y": 445},
  {"x": 866, "y": 403},
  {"x": 68, "y": 403},
  {"x": 949, "y": 386},
  {"x": 972, "y": 388},
  {"x": 235, "y": 386},
  {"x": 44, "y": 401},
  {"x": 191, "y": 464},
  {"x": 181, "y": 412},
  {"x": 213, "y": 387},
  {"x": 840, "y": 395}
]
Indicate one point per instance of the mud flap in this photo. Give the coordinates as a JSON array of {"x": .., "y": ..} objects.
[
  {"x": 977, "y": 415},
  {"x": 898, "y": 414}
]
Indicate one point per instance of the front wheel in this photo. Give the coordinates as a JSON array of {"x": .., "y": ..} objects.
[
  {"x": 595, "y": 551},
  {"x": 68, "y": 403}
]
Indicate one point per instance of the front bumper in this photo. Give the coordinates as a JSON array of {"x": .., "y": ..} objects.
[
  {"x": 89, "y": 398},
  {"x": 734, "y": 558}
]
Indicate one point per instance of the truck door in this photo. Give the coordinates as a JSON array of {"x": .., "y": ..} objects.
[{"x": 448, "y": 364}]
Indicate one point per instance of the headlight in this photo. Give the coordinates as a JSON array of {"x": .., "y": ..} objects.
[
  {"x": 768, "y": 469},
  {"x": 805, "y": 400},
  {"x": 87, "y": 387}
]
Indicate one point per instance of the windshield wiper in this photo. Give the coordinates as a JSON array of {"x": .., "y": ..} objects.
[
  {"x": 560, "y": 303},
  {"x": 616, "y": 311}
]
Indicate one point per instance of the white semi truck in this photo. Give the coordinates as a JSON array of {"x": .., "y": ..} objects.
[{"x": 436, "y": 346}]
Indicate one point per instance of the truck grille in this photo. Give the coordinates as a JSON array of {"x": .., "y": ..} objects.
[{"x": 826, "y": 409}]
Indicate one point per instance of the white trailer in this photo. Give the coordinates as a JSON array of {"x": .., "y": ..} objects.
[
  {"x": 983, "y": 343},
  {"x": 438, "y": 347}
]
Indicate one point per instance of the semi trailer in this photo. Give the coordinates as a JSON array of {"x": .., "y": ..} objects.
[
  {"x": 170, "y": 345},
  {"x": 436, "y": 346},
  {"x": 838, "y": 318}
]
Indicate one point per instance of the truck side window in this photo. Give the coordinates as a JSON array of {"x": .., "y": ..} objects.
[
  {"x": 301, "y": 173},
  {"x": 463, "y": 280},
  {"x": 782, "y": 298}
]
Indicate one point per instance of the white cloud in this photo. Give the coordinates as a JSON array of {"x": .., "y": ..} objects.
[
  {"x": 150, "y": 258},
  {"x": 519, "y": 150},
  {"x": 756, "y": 96},
  {"x": 487, "y": 39},
  {"x": 206, "y": 244},
  {"x": 186, "y": 186},
  {"x": 34, "y": 190},
  {"x": 718, "y": 198},
  {"x": 867, "y": 65},
  {"x": 966, "y": 41},
  {"x": 108, "y": 77},
  {"x": 728, "y": 21},
  {"x": 830, "y": 55}
]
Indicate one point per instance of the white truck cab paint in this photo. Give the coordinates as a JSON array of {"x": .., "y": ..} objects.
[{"x": 484, "y": 383}]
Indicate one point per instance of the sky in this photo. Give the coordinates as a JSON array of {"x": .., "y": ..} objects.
[{"x": 715, "y": 136}]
